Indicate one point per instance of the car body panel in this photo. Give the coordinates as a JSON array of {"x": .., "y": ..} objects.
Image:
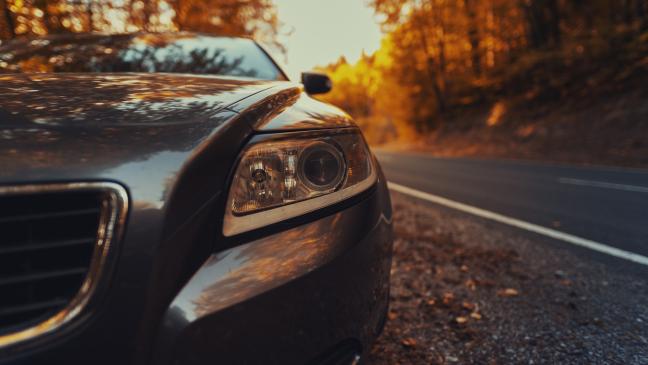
[
  {"x": 121, "y": 99},
  {"x": 173, "y": 170},
  {"x": 172, "y": 141},
  {"x": 286, "y": 107},
  {"x": 287, "y": 295}
]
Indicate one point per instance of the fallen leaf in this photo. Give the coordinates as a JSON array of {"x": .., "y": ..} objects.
[
  {"x": 463, "y": 268},
  {"x": 448, "y": 298},
  {"x": 392, "y": 315},
  {"x": 409, "y": 342},
  {"x": 461, "y": 320},
  {"x": 431, "y": 302},
  {"x": 508, "y": 292},
  {"x": 468, "y": 305},
  {"x": 475, "y": 315},
  {"x": 471, "y": 284}
]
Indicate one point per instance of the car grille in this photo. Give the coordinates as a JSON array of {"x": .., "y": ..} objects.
[{"x": 52, "y": 243}]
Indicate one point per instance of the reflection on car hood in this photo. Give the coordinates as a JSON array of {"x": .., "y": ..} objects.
[
  {"x": 110, "y": 126},
  {"x": 117, "y": 99}
]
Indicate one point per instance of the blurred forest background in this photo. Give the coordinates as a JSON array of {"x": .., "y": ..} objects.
[
  {"x": 250, "y": 18},
  {"x": 564, "y": 80},
  {"x": 547, "y": 79}
]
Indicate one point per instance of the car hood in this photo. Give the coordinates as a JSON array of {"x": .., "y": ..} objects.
[
  {"x": 103, "y": 126},
  {"x": 118, "y": 99},
  {"x": 165, "y": 137}
]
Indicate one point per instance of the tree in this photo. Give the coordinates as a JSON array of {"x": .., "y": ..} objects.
[
  {"x": 254, "y": 18},
  {"x": 543, "y": 22},
  {"x": 473, "y": 36},
  {"x": 251, "y": 18},
  {"x": 8, "y": 24}
]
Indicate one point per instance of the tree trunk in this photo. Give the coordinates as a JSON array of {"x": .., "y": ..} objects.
[
  {"x": 48, "y": 22},
  {"x": 473, "y": 37},
  {"x": 627, "y": 12},
  {"x": 148, "y": 11},
  {"x": 543, "y": 22},
  {"x": 552, "y": 14},
  {"x": 179, "y": 18},
  {"x": 437, "y": 79},
  {"x": 641, "y": 14},
  {"x": 442, "y": 56},
  {"x": 8, "y": 18},
  {"x": 438, "y": 93},
  {"x": 589, "y": 20},
  {"x": 535, "y": 34},
  {"x": 90, "y": 15}
]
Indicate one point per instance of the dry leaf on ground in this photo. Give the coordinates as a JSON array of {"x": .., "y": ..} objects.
[
  {"x": 508, "y": 292},
  {"x": 409, "y": 342}
]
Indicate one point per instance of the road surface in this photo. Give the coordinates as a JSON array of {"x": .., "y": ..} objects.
[{"x": 606, "y": 205}]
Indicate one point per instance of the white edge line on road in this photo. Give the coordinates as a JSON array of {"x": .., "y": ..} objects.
[
  {"x": 603, "y": 184},
  {"x": 578, "y": 241}
]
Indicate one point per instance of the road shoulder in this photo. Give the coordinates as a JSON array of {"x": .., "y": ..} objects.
[{"x": 467, "y": 290}]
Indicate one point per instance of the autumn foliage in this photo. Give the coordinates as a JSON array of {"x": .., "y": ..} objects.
[
  {"x": 440, "y": 58},
  {"x": 442, "y": 65},
  {"x": 253, "y": 18}
]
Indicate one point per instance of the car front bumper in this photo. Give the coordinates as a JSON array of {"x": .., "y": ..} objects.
[
  {"x": 298, "y": 296},
  {"x": 306, "y": 294}
]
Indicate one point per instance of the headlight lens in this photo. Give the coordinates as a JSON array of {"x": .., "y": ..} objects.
[{"x": 284, "y": 176}]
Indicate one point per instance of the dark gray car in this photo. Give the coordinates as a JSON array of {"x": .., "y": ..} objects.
[{"x": 173, "y": 198}]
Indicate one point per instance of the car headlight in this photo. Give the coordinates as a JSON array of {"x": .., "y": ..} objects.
[{"x": 290, "y": 174}]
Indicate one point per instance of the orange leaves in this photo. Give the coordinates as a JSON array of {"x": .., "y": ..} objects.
[
  {"x": 409, "y": 342},
  {"x": 508, "y": 292},
  {"x": 474, "y": 314},
  {"x": 471, "y": 284},
  {"x": 468, "y": 305},
  {"x": 448, "y": 298}
]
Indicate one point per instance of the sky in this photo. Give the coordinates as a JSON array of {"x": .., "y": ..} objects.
[{"x": 324, "y": 30}]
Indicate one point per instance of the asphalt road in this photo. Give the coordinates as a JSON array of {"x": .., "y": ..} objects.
[{"x": 606, "y": 205}]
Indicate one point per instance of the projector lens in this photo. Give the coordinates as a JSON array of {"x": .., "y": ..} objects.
[{"x": 322, "y": 166}]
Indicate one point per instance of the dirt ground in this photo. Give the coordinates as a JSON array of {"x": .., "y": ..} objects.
[
  {"x": 465, "y": 290},
  {"x": 609, "y": 129}
]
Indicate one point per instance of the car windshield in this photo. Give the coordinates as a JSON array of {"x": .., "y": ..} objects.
[{"x": 177, "y": 52}]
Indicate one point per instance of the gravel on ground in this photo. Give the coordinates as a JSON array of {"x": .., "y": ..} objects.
[{"x": 468, "y": 291}]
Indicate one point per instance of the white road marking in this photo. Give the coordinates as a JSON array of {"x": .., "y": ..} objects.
[
  {"x": 578, "y": 241},
  {"x": 603, "y": 184}
]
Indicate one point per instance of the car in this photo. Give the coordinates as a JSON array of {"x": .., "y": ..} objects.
[{"x": 173, "y": 198}]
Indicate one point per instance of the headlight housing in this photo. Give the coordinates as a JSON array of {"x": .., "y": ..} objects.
[{"x": 286, "y": 175}]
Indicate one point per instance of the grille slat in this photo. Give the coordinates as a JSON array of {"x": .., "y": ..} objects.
[
  {"x": 14, "y": 248},
  {"x": 47, "y": 241},
  {"x": 33, "y": 217},
  {"x": 32, "y": 307},
  {"x": 41, "y": 276}
]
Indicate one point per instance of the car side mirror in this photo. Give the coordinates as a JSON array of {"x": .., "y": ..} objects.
[{"x": 316, "y": 83}]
